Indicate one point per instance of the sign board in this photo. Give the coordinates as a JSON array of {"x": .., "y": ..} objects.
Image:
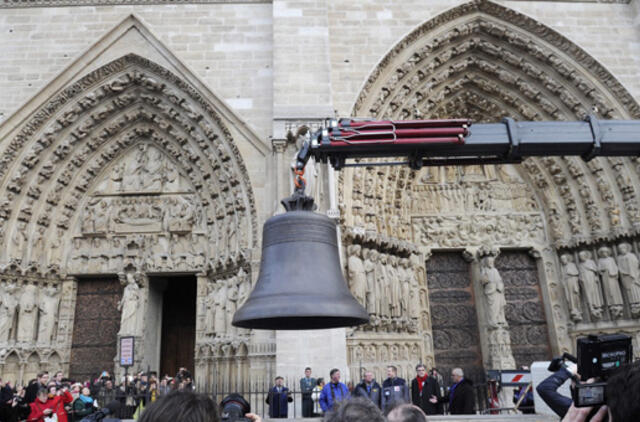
[
  {"x": 127, "y": 345},
  {"x": 514, "y": 378}
]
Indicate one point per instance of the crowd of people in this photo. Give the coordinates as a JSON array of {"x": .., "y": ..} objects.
[
  {"x": 426, "y": 391},
  {"x": 72, "y": 401}
]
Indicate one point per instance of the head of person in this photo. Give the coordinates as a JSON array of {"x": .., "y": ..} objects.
[
  {"x": 356, "y": 409},
  {"x": 181, "y": 406},
  {"x": 43, "y": 395},
  {"x": 43, "y": 377},
  {"x": 457, "y": 374},
  {"x": 52, "y": 390},
  {"x": 392, "y": 371},
  {"x": 623, "y": 394},
  {"x": 406, "y": 413},
  {"x": 86, "y": 392},
  {"x": 307, "y": 372},
  {"x": 108, "y": 384},
  {"x": 59, "y": 377},
  {"x": 421, "y": 371},
  {"x": 279, "y": 381},
  {"x": 320, "y": 382},
  {"x": 368, "y": 377},
  {"x": 334, "y": 374}
]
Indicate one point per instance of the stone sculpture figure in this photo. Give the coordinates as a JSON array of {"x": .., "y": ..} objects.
[
  {"x": 8, "y": 307},
  {"x": 382, "y": 287},
  {"x": 48, "y": 314},
  {"x": 405, "y": 287},
  {"x": 244, "y": 289},
  {"x": 28, "y": 314},
  {"x": 610, "y": 282},
  {"x": 210, "y": 306},
  {"x": 220, "y": 321},
  {"x": 630, "y": 276},
  {"x": 371, "y": 295},
  {"x": 395, "y": 288},
  {"x": 232, "y": 298},
  {"x": 494, "y": 293},
  {"x": 570, "y": 276},
  {"x": 129, "y": 305},
  {"x": 590, "y": 283},
  {"x": 356, "y": 273}
]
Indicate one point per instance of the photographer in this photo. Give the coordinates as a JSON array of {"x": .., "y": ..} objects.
[{"x": 547, "y": 389}]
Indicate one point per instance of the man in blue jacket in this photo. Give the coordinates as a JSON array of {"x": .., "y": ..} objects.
[
  {"x": 333, "y": 392},
  {"x": 278, "y": 400}
]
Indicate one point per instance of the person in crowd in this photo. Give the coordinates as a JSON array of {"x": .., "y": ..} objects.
[
  {"x": 526, "y": 405},
  {"x": 6, "y": 398},
  {"x": 425, "y": 391},
  {"x": 315, "y": 396},
  {"x": 306, "y": 387},
  {"x": 394, "y": 390},
  {"x": 461, "y": 398},
  {"x": 369, "y": 388},
  {"x": 33, "y": 388},
  {"x": 83, "y": 405},
  {"x": 406, "y": 413},
  {"x": 356, "y": 409},
  {"x": 278, "y": 399},
  {"x": 18, "y": 409},
  {"x": 46, "y": 405},
  {"x": 547, "y": 389},
  {"x": 442, "y": 397},
  {"x": 334, "y": 392},
  {"x": 58, "y": 378}
]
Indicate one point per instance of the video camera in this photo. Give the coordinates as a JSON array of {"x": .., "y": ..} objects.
[
  {"x": 234, "y": 407},
  {"x": 598, "y": 357}
]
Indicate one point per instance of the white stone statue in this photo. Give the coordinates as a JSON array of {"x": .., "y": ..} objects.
[
  {"x": 630, "y": 276},
  {"x": 232, "y": 298},
  {"x": 8, "y": 307},
  {"x": 382, "y": 287},
  {"x": 49, "y": 302},
  {"x": 571, "y": 283},
  {"x": 394, "y": 285},
  {"x": 590, "y": 283},
  {"x": 210, "y": 305},
  {"x": 131, "y": 301},
  {"x": 371, "y": 295},
  {"x": 356, "y": 273},
  {"x": 494, "y": 293},
  {"x": 220, "y": 321},
  {"x": 610, "y": 282},
  {"x": 28, "y": 314},
  {"x": 405, "y": 286}
]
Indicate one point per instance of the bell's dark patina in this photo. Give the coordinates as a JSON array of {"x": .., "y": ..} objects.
[{"x": 300, "y": 285}]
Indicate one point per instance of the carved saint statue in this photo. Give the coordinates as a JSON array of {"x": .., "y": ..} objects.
[
  {"x": 382, "y": 287},
  {"x": 28, "y": 313},
  {"x": 210, "y": 305},
  {"x": 244, "y": 289},
  {"x": 220, "y": 320},
  {"x": 393, "y": 282},
  {"x": 48, "y": 314},
  {"x": 630, "y": 276},
  {"x": 131, "y": 300},
  {"x": 590, "y": 283},
  {"x": 405, "y": 286},
  {"x": 8, "y": 306},
  {"x": 357, "y": 276},
  {"x": 369, "y": 269},
  {"x": 570, "y": 276},
  {"x": 232, "y": 298},
  {"x": 610, "y": 283},
  {"x": 494, "y": 292}
]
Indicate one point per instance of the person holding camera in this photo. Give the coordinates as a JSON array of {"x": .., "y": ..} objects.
[{"x": 48, "y": 407}]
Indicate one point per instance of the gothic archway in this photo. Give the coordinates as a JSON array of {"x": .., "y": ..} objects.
[{"x": 485, "y": 61}]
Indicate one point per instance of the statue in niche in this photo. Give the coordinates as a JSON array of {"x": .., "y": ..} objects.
[
  {"x": 630, "y": 276},
  {"x": 394, "y": 285},
  {"x": 49, "y": 301},
  {"x": 210, "y": 305},
  {"x": 405, "y": 285},
  {"x": 38, "y": 243},
  {"x": 610, "y": 283},
  {"x": 590, "y": 283},
  {"x": 8, "y": 307},
  {"x": 570, "y": 275},
  {"x": 356, "y": 273},
  {"x": 154, "y": 170},
  {"x": 117, "y": 173},
  {"x": 382, "y": 287},
  {"x": 232, "y": 297},
  {"x": 371, "y": 295},
  {"x": 131, "y": 301},
  {"x": 494, "y": 293},
  {"x": 20, "y": 241},
  {"x": 220, "y": 321},
  {"x": 28, "y": 313}
]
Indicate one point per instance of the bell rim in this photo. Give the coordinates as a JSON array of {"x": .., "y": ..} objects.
[{"x": 293, "y": 323}]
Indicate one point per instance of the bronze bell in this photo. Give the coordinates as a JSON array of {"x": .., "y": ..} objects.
[{"x": 300, "y": 285}]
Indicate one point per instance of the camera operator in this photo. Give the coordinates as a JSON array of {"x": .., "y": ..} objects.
[
  {"x": 622, "y": 403},
  {"x": 547, "y": 389}
]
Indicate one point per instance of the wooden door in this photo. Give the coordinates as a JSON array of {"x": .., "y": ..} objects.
[{"x": 178, "y": 325}]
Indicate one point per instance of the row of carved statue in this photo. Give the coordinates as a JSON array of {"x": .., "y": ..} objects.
[
  {"x": 224, "y": 297},
  {"x": 603, "y": 285},
  {"x": 387, "y": 285},
  {"x": 28, "y": 313}
]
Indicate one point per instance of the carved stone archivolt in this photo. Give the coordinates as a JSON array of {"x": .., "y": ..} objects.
[{"x": 484, "y": 61}]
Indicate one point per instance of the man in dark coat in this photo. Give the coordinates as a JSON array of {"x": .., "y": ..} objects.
[
  {"x": 369, "y": 388},
  {"x": 425, "y": 391},
  {"x": 32, "y": 389},
  {"x": 306, "y": 386},
  {"x": 278, "y": 400},
  {"x": 394, "y": 389},
  {"x": 461, "y": 397}
]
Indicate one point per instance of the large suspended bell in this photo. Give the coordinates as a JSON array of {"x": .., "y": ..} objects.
[{"x": 300, "y": 285}]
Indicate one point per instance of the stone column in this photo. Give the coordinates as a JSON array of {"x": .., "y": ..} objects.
[{"x": 64, "y": 337}]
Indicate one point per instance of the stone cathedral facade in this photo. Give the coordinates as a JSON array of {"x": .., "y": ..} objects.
[{"x": 144, "y": 143}]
